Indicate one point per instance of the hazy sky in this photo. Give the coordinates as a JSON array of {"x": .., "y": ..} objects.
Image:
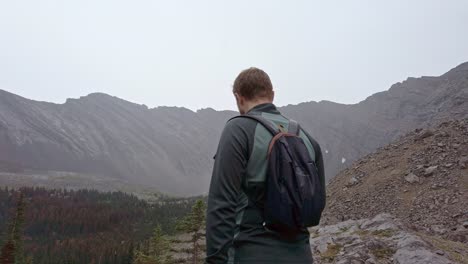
[{"x": 188, "y": 53}]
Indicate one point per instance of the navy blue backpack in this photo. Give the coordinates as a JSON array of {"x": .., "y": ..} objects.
[{"x": 294, "y": 196}]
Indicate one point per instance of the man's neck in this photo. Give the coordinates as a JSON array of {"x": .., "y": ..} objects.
[{"x": 251, "y": 105}]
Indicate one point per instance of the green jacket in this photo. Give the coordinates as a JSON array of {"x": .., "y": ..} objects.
[{"x": 234, "y": 228}]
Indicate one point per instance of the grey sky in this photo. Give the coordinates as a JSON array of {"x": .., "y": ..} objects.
[{"x": 187, "y": 53}]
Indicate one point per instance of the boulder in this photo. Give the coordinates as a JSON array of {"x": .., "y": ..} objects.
[
  {"x": 429, "y": 171},
  {"x": 411, "y": 178}
]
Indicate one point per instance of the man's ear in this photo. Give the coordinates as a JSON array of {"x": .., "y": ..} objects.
[
  {"x": 272, "y": 96},
  {"x": 239, "y": 99}
]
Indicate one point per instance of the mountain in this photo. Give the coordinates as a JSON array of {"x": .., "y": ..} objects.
[
  {"x": 99, "y": 134},
  {"x": 171, "y": 149},
  {"x": 422, "y": 179}
]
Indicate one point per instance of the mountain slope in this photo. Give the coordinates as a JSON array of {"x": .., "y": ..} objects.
[
  {"x": 172, "y": 148},
  {"x": 422, "y": 178},
  {"x": 351, "y": 131}
]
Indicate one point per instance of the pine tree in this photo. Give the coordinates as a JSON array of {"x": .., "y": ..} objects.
[
  {"x": 158, "y": 250},
  {"x": 194, "y": 223},
  {"x": 12, "y": 251}
]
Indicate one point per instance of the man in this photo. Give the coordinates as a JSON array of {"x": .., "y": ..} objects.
[{"x": 235, "y": 230}]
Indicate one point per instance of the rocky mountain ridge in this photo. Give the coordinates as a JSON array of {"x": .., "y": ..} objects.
[
  {"x": 171, "y": 149},
  {"x": 422, "y": 179}
]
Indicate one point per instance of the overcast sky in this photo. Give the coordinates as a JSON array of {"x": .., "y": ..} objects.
[{"x": 188, "y": 53}]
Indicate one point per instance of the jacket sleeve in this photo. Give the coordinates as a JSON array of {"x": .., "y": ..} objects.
[{"x": 228, "y": 172}]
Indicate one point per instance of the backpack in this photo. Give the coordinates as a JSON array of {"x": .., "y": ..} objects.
[{"x": 294, "y": 196}]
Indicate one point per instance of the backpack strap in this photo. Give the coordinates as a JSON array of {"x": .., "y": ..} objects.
[
  {"x": 294, "y": 127},
  {"x": 260, "y": 119}
]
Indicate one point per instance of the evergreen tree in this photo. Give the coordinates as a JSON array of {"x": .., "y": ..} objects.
[
  {"x": 158, "y": 250},
  {"x": 194, "y": 223},
  {"x": 12, "y": 251}
]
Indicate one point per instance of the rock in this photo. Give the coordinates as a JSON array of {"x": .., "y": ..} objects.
[
  {"x": 460, "y": 236},
  {"x": 418, "y": 256},
  {"x": 425, "y": 134},
  {"x": 465, "y": 224},
  {"x": 456, "y": 215},
  {"x": 322, "y": 244},
  {"x": 412, "y": 249},
  {"x": 429, "y": 171},
  {"x": 438, "y": 229},
  {"x": 463, "y": 162},
  {"x": 411, "y": 178},
  {"x": 380, "y": 222},
  {"x": 411, "y": 242},
  {"x": 442, "y": 134},
  {"x": 381, "y": 239},
  {"x": 370, "y": 261},
  {"x": 353, "y": 181}
]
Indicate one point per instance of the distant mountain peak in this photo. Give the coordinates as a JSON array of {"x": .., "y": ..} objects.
[
  {"x": 461, "y": 69},
  {"x": 99, "y": 96},
  {"x": 169, "y": 108}
]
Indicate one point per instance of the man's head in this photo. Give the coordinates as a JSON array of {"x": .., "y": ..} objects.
[{"x": 252, "y": 87}]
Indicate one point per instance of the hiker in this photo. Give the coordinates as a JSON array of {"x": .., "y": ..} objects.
[{"x": 248, "y": 220}]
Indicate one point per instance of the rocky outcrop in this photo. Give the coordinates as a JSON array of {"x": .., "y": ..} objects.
[
  {"x": 422, "y": 178},
  {"x": 171, "y": 149},
  {"x": 382, "y": 239}
]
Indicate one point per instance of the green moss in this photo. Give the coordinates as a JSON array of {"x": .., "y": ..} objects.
[
  {"x": 344, "y": 229},
  {"x": 361, "y": 232},
  {"x": 332, "y": 252},
  {"x": 383, "y": 252},
  {"x": 383, "y": 233}
]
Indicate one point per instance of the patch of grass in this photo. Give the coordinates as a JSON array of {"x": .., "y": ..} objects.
[
  {"x": 383, "y": 252},
  {"x": 383, "y": 233},
  {"x": 361, "y": 232},
  {"x": 332, "y": 252},
  {"x": 344, "y": 229},
  {"x": 455, "y": 250},
  {"x": 377, "y": 233}
]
